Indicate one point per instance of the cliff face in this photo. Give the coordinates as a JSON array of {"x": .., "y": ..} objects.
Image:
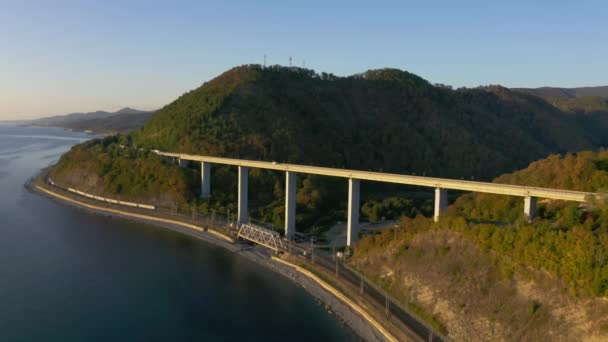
[{"x": 465, "y": 290}]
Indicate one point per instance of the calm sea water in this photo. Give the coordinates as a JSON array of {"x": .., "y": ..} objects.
[{"x": 68, "y": 275}]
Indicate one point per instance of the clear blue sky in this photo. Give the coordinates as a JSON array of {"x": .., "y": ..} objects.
[{"x": 61, "y": 56}]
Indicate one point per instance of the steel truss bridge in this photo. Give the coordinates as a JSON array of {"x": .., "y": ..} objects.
[{"x": 262, "y": 236}]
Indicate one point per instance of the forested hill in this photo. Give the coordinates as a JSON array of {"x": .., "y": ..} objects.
[
  {"x": 484, "y": 265},
  {"x": 590, "y": 101},
  {"x": 386, "y": 119}
]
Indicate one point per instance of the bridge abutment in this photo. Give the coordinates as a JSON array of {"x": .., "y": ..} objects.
[
  {"x": 290, "y": 205},
  {"x": 352, "y": 224},
  {"x": 530, "y": 207},
  {"x": 205, "y": 179},
  {"x": 441, "y": 203},
  {"x": 243, "y": 210}
]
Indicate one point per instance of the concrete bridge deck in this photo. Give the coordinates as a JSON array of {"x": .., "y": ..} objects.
[{"x": 443, "y": 183}]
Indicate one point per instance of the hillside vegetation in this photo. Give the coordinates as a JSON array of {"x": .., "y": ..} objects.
[
  {"x": 590, "y": 102},
  {"x": 566, "y": 93},
  {"x": 485, "y": 261},
  {"x": 384, "y": 120},
  {"x": 590, "y": 105},
  {"x": 105, "y": 168}
]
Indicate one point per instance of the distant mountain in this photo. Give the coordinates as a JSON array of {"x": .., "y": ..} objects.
[
  {"x": 117, "y": 123},
  {"x": 586, "y": 100},
  {"x": 568, "y": 93},
  {"x": 128, "y": 110},
  {"x": 123, "y": 120}
]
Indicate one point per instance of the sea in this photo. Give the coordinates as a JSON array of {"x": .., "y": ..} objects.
[{"x": 71, "y": 275}]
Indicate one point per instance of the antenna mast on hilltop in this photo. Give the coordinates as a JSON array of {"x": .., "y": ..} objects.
[
  {"x": 289, "y": 60},
  {"x": 264, "y": 61}
]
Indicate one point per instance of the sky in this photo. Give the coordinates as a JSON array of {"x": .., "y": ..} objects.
[{"x": 60, "y": 56}]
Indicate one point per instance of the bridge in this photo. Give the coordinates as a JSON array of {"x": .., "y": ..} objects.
[
  {"x": 262, "y": 236},
  {"x": 441, "y": 185}
]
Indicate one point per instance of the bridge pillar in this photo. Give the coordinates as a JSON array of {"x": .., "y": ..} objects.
[
  {"x": 205, "y": 179},
  {"x": 182, "y": 162},
  {"x": 441, "y": 203},
  {"x": 530, "y": 207},
  {"x": 290, "y": 205},
  {"x": 243, "y": 211},
  {"x": 352, "y": 223}
]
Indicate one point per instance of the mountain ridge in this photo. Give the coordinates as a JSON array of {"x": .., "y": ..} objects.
[
  {"x": 101, "y": 122},
  {"x": 601, "y": 91},
  {"x": 296, "y": 115},
  {"x": 70, "y": 117}
]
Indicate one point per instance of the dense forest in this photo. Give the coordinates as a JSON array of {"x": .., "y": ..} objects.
[
  {"x": 107, "y": 168},
  {"x": 590, "y": 103},
  {"x": 383, "y": 120}
]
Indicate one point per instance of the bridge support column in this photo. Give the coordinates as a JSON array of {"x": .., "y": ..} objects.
[
  {"x": 205, "y": 179},
  {"x": 352, "y": 224},
  {"x": 182, "y": 162},
  {"x": 243, "y": 211},
  {"x": 441, "y": 203},
  {"x": 530, "y": 207},
  {"x": 290, "y": 205}
]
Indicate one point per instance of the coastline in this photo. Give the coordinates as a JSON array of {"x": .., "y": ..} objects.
[
  {"x": 360, "y": 325},
  {"x": 90, "y": 132}
]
